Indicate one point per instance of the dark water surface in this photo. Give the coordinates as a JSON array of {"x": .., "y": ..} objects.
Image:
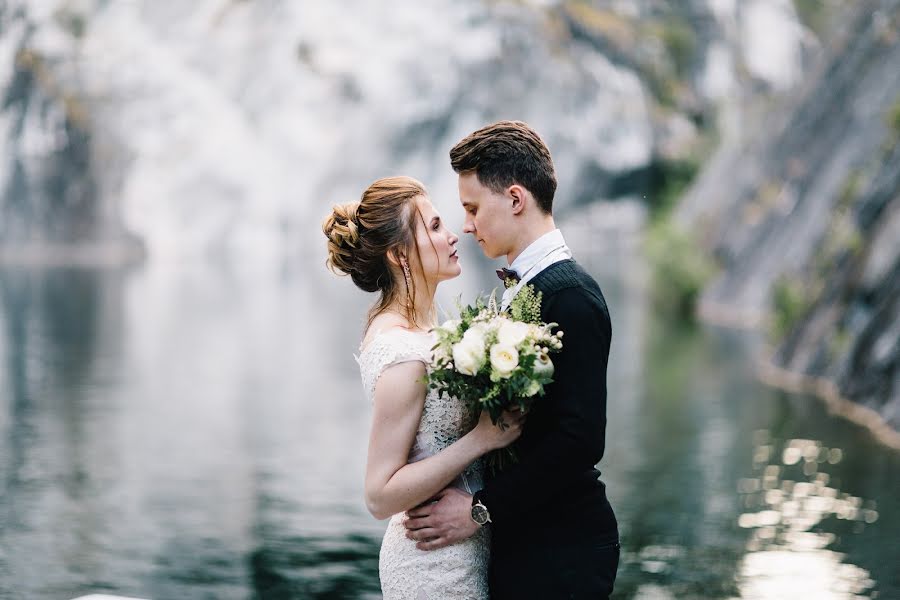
[{"x": 176, "y": 431}]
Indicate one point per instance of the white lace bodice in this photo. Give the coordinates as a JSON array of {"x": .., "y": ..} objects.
[
  {"x": 459, "y": 571},
  {"x": 444, "y": 419}
]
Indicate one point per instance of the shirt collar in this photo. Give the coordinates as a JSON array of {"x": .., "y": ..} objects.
[{"x": 537, "y": 250}]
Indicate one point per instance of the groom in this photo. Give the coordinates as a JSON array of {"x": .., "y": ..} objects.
[{"x": 554, "y": 534}]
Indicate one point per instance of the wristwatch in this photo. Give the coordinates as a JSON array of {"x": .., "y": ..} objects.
[{"x": 480, "y": 512}]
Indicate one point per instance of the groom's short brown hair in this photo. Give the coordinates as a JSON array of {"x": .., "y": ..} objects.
[{"x": 505, "y": 153}]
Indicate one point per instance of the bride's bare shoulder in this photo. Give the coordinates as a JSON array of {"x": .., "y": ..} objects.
[{"x": 383, "y": 323}]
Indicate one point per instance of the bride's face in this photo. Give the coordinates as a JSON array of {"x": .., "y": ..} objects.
[{"x": 436, "y": 244}]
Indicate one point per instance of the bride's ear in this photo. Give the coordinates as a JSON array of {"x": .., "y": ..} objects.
[{"x": 395, "y": 257}]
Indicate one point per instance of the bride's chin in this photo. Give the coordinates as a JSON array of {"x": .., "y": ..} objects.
[{"x": 445, "y": 276}]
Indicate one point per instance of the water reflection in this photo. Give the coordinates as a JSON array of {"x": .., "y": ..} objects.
[
  {"x": 316, "y": 568},
  {"x": 54, "y": 465},
  {"x": 790, "y": 503},
  {"x": 174, "y": 433}
]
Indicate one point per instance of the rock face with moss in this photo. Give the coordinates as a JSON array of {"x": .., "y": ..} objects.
[
  {"x": 850, "y": 335},
  {"x": 179, "y": 122},
  {"x": 53, "y": 172},
  {"x": 202, "y": 136},
  {"x": 47, "y": 185},
  {"x": 804, "y": 218}
]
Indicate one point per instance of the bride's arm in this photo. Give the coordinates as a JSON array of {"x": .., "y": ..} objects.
[{"x": 392, "y": 485}]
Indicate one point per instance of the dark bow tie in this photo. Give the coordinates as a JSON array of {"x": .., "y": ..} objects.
[{"x": 504, "y": 274}]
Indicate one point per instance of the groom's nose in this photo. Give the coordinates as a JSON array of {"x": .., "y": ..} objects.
[{"x": 468, "y": 226}]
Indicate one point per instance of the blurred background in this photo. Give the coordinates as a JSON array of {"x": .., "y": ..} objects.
[{"x": 180, "y": 409}]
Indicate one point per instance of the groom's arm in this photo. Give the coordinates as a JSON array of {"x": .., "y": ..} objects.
[
  {"x": 572, "y": 448},
  {"x": 576, "y": 443}
]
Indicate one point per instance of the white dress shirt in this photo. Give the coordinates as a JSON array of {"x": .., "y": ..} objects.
[{"x": 548, "y": 249}]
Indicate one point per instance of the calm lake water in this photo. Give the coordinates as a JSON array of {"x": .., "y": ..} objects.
[{"x": 178, "y": 431}]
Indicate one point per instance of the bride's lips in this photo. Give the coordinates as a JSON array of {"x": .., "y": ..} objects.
[{"x": 455, "y": 254}]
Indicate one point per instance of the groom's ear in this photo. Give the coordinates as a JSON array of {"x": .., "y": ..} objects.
[{"x": 518, "y": 195}]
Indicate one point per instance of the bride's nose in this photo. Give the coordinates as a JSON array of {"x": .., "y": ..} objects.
[{"x": 453, "y": 239}]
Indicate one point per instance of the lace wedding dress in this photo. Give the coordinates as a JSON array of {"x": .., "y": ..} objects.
[{"x": 458, "y": 571}]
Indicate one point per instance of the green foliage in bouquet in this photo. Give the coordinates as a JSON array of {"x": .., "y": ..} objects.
[{"x": 526, "y": 305}]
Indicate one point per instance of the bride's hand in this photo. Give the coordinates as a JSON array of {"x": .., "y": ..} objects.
[{"x": 505, "y": 432}]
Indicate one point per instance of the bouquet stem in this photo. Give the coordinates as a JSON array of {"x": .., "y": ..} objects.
[{"x": 497, "y": 460}]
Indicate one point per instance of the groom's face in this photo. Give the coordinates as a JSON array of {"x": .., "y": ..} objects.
[{"x": 489, "y": 216}]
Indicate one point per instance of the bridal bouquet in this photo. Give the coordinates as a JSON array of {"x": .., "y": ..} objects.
[{"x": 493, "y": 359}]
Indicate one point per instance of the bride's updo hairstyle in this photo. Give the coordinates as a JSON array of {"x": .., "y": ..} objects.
[{"x": 361, "y": 234}]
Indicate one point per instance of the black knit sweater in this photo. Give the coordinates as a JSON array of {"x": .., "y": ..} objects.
[{"x": 553, "y": 492}]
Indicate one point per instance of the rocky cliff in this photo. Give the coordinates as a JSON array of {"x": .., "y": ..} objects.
[
  {"x": 220, "y": 126},
  {"x": 802, "y": 212}
]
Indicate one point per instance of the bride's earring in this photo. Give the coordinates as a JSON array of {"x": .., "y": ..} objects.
[{"x": 408, "y": 279}]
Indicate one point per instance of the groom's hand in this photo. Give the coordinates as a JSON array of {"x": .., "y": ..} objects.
[{"x": 441, "y": 523}]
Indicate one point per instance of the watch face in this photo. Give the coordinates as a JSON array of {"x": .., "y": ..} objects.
[{"x": 480, "y": 514}]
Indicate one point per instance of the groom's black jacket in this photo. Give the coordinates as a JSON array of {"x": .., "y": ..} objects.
[{"x": 553, "y": 493}]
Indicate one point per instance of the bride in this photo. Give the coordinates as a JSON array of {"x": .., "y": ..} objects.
[{"x": 393, "y": 241}]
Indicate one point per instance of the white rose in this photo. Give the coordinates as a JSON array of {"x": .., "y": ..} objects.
[
  {"x": 543, "y": 366},
  {"x": 475, "y": 334},
  {"x": 504, "y": 359},
  {"x": 468, "y": 355},
  {"x": 512, "y": 333}
]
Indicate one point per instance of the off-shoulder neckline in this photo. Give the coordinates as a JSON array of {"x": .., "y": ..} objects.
[{"x": 386, "y": 331}]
